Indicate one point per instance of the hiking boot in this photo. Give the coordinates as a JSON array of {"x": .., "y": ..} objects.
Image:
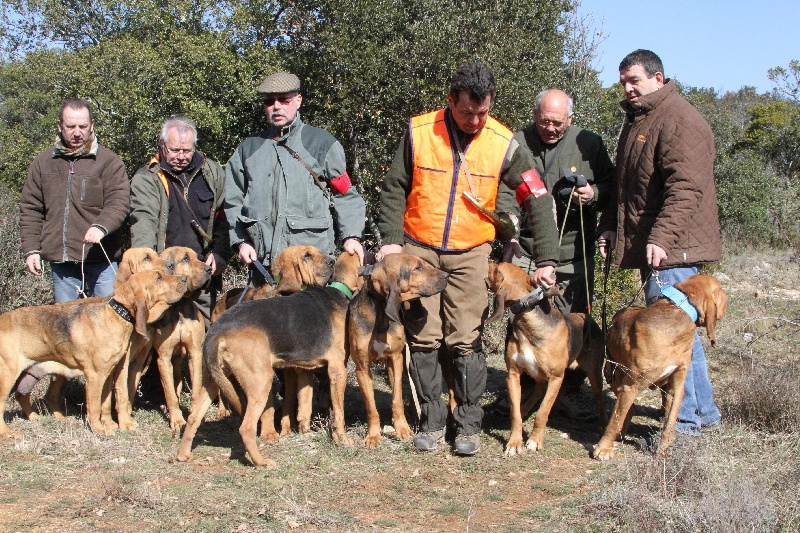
[
  {"x": 429, "y": 441},
  {"x": 467, "y": 445}
]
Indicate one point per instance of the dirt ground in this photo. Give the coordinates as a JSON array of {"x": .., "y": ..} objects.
[{"x": 58, "y": 476}]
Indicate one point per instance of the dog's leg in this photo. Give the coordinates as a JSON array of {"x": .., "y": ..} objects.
[
  {"x": 337, "y": 373},
  {"x": 97, "y": 384},
  {"x": 165, "y": 370},
  {"x": 268, "y": 433},
  {"x": 305, "y": 395},
  {"x": 672, "y": 406},
  {"x": 53, "y": 398},
  {"x": 626, "y": 394},
  {"x": 200, "y": 404},
  {"x": 514, "y": 446},
  {"x": 367, "y": 384},
  {"x": 257, "y": 388},
  {"x": 289, "y": 407},
  {"x": 536, "y": 438},
  {"x": 395, "y": 370}
]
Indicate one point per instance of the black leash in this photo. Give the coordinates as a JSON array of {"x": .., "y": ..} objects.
[{"x": 264, "y": 272}]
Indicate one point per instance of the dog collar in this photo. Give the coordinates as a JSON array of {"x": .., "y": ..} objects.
[
  {"x": 342, "y": 287},
  {"x": 681, "y": 300},
  {"x": 527, "y": 302},
  {"x": 121, "y": 310}
]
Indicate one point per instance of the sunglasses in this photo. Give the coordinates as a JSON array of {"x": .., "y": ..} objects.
[{"x": 269, "y": 101}]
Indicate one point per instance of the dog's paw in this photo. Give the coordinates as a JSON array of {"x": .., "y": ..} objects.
[
  {"x": 129, "y": 425},
  {"x": 514, "y": 447},
  {"x": 604, "y": 453},
  {"x": 269, "y": 436},
  {"x": 176, "y": 423},
  {"x": 34, "y": 416},
  {"x": 372, "y": 441},
  {"x": 265, "y": 463},
  {"x": 343, "y": 440},
  {"x": 534, "y": 445}
]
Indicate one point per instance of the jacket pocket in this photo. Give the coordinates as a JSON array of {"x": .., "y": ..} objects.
[
  {"x": 91, "y": 193},
  {"x": 312, "y": 231}
]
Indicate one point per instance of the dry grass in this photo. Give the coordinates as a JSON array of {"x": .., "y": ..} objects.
[{"x": 58, "y": 476}]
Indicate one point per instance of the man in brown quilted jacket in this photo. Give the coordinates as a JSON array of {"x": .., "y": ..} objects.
[{"x": 665, "y": 218}]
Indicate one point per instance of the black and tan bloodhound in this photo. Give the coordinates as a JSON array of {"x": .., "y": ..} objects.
[
  {"x": 89, "y": 335},
  {"x": 652, "y": 347},
  {"x": 305, "y": 330},
  {"x": 542, "y": 343},
  {"x": 376, "y": 332}
]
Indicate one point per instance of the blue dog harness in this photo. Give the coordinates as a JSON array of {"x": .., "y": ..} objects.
[{"x": 681, "y": 300}]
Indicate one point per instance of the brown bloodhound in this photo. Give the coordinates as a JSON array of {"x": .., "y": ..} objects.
[
  {"x": 178, "y": 333},
  {"x": 652, "y": 347},
  {"x": 90, "y": 336},
  {"x": 304, "y": 330},
  {"x": 376, "y": 332},
  {"x": 133, "y": 260},
  {"x": 542, "y": 343}
]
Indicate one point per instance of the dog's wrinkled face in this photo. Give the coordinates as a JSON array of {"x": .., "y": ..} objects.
[
  {"x": 181, "y": 261},
  {"x": 709, "y": 298},
  {"x": 148, "y": 294},
  {"x": 298, "y": 266},
  {"x": 138, "y": 260},
  {"x": 402, "y": 277},
  {"x": 509, "y": 283}
]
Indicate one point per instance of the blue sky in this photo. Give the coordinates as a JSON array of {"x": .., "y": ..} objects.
[{"x": 703, "y": 43}]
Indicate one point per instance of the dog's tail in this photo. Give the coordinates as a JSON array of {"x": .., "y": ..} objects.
[{"x": 211, "y": 349}]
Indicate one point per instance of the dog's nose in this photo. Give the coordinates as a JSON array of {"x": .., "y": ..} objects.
[{"x": 330, "y": 261}]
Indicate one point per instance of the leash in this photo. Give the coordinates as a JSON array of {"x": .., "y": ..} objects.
[
  {"x": 263, "y": 271},
  {"x": 82, "y": 289},
  {"x": 417, "y": 405}
]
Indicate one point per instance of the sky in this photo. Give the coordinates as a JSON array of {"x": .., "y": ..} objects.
[{"x": 702, "y": 43}]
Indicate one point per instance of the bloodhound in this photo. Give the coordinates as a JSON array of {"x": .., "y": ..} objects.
[
  {"x": 177, "y": 334},
  {"x": 376, "y": 332},
  {"x": 543, "y": 343},
  {"x": 304, "y": 330},
  {"x": 90, "y": 336},
  {"x": 652, "y": 347},
  {"x": 294, "y": 268},
  {"x": 134, "y": 260}
]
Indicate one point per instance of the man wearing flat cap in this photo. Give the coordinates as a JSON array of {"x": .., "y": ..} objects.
[{"x": 282, "y": 184}]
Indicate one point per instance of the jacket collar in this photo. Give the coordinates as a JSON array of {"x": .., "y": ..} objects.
[
  {"x": 282, "y": 133},
  {"x": 650, "y": 101}
]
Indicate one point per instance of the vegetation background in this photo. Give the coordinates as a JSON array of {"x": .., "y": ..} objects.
[{"x": 367, "y": 66}]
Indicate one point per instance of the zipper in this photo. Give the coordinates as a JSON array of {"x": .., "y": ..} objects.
[{"x": 65, "y": 255}]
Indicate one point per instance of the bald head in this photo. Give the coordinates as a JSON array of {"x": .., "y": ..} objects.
[{"x": 552, "y": 115}]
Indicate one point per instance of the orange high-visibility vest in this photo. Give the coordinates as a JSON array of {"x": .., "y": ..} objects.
[{"x": 437, "y": 214}]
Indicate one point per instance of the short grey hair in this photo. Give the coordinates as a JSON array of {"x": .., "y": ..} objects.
[
  {"x": 541, "y": 95},
  {"x": 182, "y": 124}
]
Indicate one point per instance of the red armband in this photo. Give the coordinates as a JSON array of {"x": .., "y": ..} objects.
[
  {"x": 341, "y": 184},
  {"x": 531, "y": 184}
]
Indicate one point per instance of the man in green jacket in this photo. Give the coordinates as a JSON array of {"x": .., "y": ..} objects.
[
  {"x": 176, "y": 200},
  {"x": 283, "y": 185},
  {"x": 560, "y": 151}
]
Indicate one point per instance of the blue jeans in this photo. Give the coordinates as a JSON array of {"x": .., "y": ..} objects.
[
  {"x": 67, "y": 279},
  {"x": 697, "y": 408}
]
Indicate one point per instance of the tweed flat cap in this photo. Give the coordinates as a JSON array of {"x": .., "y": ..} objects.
[{"x": 279, "y": 83}]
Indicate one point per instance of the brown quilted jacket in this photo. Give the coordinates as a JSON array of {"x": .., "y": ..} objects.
[{"x": 665, "y": 184}]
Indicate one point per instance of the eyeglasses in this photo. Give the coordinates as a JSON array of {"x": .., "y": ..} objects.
[
  {"x": 554, "y": 123},
  {"x": 176, "y": 151},
  {"x": 269, "y": 101}
]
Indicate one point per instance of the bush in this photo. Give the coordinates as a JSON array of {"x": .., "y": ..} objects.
[{"x": 766, "y": 397}]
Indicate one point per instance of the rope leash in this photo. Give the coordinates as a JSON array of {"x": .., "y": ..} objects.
[{"x": 81, "y": 290}]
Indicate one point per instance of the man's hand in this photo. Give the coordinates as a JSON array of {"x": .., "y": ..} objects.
[
  {"x": 247, "y": 253},
  {"x": 387, "y": 249},
  {"x": 583, "y": 195},
  {"x": 606, "y": 242},
  {"x": 352, "y": 246},
  {"x": 217, "y": 263},
  {"x": 34, "y": 264},
  {"x": 93, "y": 235},
  {"x": 544, "y": 277},
  {"x": 655, "y": 255},
  {"x": 511, "y": 250}
]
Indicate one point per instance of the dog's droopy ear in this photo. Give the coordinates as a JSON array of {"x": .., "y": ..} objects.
[
  {"x": 394, "y": 296},
  {"x": 707, "y": 296}
]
